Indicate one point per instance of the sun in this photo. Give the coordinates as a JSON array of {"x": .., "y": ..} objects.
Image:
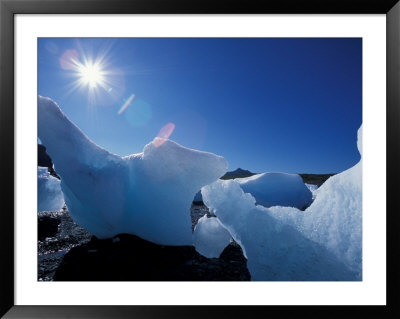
[{"x": 91, "y": 74}]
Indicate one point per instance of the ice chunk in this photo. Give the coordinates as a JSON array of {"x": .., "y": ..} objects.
[
  {"x": 359, "y": 140},
  {"x": 147, "y": 194},
  {"x": 210, "y": 237},
  {"x": 337, "y": 214},
  {"x": 313, "y": 188},
  {"x": 275, "y": 250},
  {"x": 324, "y": 242},
  {"x": 334, "y": 219},
  {"x": 277, "y": 189},
  {"x": 50, "y": 196}
]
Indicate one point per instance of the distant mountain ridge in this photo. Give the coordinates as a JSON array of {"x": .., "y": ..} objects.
[{"x": 238, "y": 173}]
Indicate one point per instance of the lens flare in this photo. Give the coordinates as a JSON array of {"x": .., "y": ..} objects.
[
  {"x": 126, "y": 104},
  {"x": 69, "y": 59},
  {"x": 51, "y": 47},
  {"x": 164, "y": 134}
]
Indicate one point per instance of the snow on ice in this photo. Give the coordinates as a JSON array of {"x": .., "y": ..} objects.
[
  {"x": 277, "y": 189},
  {"x": 147, "y": 194},
  {"x": 50, "y": 196},
  {"x": 210, "y": 237},
  {"x": 324, "y": 242}
]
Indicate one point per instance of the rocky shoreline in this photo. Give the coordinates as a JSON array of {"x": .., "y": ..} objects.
[
  {"x": 67, "y": 252},
  {"x": 57, "y": 234}
]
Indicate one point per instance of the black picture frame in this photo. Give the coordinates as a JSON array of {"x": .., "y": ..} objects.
[{"x": 8, "y": 8}]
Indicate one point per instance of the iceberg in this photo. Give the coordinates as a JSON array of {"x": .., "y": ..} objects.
[
  {"x": 334, "y": 219},
  {"x": 210, "y": 237},
  {"x": 277, "y": 189},
  {"x": 324, "y": 242},
  {"x": 50, "y": 196},
  {"x": 275, "y": 250},
  {"x": 147, "y": 194}
]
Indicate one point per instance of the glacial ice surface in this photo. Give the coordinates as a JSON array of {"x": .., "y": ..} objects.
[
  {"x": 334, "y": 219},
  {"x": 50, "y": 196},
  {"x": 147, "y": 194},
  {"x": 210, "y": 237},
  {"x": 277, "y": 189},
  {"x": 322, "y": 243}
]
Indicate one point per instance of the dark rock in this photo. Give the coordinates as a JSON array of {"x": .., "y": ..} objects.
[
  {"x": 44, "y": 160},
  {"x": 74, "y": 254},
  {"x": 130, "y": 258},
  {"x": 197, "y": 211},
  {"x": 198, "y": 203},
  {"x": 52, "y": 249},
  {"x": 47, "y": 226}
]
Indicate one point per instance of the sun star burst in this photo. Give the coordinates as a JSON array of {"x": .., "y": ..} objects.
[{"x": 91, "y": 74}]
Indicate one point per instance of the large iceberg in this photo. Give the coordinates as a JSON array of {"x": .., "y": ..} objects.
[
  {"x": 147, "y": 194},
  {"x": 324, "y": 242},
  {"x": 277, "y": 189},
  {"x": 275, "y": 250},
  {"x": 50, "y": 196},
  {"x": 334, "y": 219}
]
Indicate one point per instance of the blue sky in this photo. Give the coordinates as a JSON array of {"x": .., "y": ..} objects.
[{"x": 265, "y": 104}]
